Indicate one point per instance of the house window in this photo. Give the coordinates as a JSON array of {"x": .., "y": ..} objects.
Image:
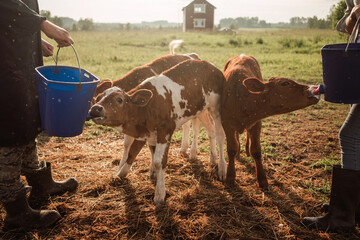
[
  {"x": 199, "y": 8},
  {"x": 199, "y": 22}
]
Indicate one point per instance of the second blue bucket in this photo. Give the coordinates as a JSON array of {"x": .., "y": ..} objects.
[
  {"x": 65, "y": 95},
  {"x": 341, "y": 73}
]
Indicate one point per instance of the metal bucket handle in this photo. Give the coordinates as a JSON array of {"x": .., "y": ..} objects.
[
  {"x": 77, "y": 58},
  {"x": 354, "y": 34}
]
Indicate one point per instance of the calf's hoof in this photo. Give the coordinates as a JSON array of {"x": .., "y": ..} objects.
[
  {"x": 213, "y": 159},
  {"x": 184, "y": 154},
  {"x": 230, "y": 181},
  {"x": 193, "y": 157},
  {"x": 264, "y": 185},
  {"x": 158, "y": 201},
  {"x": 123, "y": 171},
  {"x": 222, "y": 175}
]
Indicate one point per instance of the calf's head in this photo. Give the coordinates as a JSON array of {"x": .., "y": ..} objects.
[
  {"x": 281, "y": 95},
  {"x": 100, "y": 90},
  {"x": 117, "y": 108}
]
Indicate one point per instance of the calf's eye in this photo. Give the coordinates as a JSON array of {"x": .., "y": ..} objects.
[
  {"x": 285, "y": 84},
  {"x": 119, "y": 100}
]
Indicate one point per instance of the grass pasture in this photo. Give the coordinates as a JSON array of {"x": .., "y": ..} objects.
[{"x": 299, "y": 149}]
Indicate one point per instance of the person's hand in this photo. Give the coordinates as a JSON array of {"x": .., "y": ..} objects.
[
  {"x": 47, "y": 48},
  {"x": 351, "y": 20},
  {"x": 60, "y": 35},
  {"x": 355, "y": 13}
]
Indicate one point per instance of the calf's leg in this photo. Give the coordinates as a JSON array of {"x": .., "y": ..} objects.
[
  {"x": 255, "y": 152},
  {"x": 152, "y": 167},
  {"x": 134, "y": 150},
  {"x": 185, "y": 139},
  {"x": 220, "y": 139},
  {"x": 247, "y": 144},
  {"x": 206, "y": 120},
  {"x": 232, "y": 151},
  {"x": 128, "y": 140},
  {"x": 160, "y": 161},
  {"x": 194, "y": 145}
]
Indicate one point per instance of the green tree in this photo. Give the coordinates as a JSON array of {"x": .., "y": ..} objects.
[
  {"x": 74, "y": 27},
  {"x": 86, "y": 24},
  {"x": 128, "y": 26},
  {"x": 337, "y": 12},
  {"x": 56, "y": 20}
]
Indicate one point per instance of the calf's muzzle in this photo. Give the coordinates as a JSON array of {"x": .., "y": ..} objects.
[{"x": 97, "y": 114}]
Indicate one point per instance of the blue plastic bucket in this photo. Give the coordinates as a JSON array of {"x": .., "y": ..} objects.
[
  {"x": 65, "y": 95},
  {"x": 341, "y": 73}
]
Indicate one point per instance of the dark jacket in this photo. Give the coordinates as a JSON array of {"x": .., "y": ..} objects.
[{"x": 20, "y": 53}]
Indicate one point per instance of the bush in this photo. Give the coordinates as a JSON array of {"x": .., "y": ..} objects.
[{"x": 259, "y": 41}]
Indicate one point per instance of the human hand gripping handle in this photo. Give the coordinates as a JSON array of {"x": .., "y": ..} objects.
[
  {"x": 47, "y": 48},
  {"x": 60, "y": 35},
  {"x": 351, "y": 20}
]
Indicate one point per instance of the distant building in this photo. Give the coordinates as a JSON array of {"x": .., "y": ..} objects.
[{"x": 198, "y": 15}]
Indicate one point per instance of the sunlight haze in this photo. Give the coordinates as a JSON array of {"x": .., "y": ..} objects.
[{"x": 136, "y": 11}]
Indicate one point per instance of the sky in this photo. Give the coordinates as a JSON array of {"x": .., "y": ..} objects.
[{"x": 136, "y": 11}]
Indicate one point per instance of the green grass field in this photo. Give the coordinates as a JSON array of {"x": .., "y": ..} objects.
[{"x": 281, "y": 52}]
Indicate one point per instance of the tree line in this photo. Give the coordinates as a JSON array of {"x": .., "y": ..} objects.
[
  {"x": 85, "y": 24},
  {"x": 336, "y": 13}
]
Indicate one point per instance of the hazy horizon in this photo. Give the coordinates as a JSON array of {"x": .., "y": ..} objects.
[{"x": 137, "y": 11}]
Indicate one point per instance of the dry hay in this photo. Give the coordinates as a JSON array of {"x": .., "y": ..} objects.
[{"x": 198, "y": 206}]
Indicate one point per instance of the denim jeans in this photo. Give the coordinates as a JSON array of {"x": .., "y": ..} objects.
[{"x": 349, "y": 136}]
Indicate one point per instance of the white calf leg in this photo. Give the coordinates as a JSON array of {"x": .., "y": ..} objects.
[
  {"x": 161, "y": 152},
  {"x": 124, "y": 170},
  {"x": 185, "y": 137},
  {"x": 209, "y": 125},
  {"x": 220, "y": 139},
  {"x": 196, "y": 129}
]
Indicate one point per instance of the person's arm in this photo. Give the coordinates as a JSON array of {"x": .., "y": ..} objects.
[
  {"x": 14, "y": 13},
  {"x": 347, "y": 22},
  {"x": 60, "y": 35}
]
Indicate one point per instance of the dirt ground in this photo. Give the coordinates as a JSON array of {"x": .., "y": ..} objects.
[{"x": 298, "y": 151}]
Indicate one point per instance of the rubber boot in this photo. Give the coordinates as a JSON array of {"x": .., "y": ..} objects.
[
  {"x": 326, "y": 206},
  {"x": 43, "y": 184},
  {"x": 20, "y": 215},
  {"x": 344, "y": 200}
]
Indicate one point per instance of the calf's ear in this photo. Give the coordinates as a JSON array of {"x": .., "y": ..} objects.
[
  {"x": 103, "y": 85},
  {"x": 141, "y": 97},
  {"x": 254, "y": 85}
]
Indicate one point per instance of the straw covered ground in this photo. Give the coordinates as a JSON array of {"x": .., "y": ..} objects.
[{"x": 298, "y": 150}]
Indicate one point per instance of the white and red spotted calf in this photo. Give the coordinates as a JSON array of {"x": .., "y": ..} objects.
[
  {"x": 246, "y": 100},
  {"x": 160, "y": 105},
  {"x": 133, "y": 78}
]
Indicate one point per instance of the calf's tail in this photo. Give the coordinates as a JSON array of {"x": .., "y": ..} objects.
[{"x": 174, "y": 44}]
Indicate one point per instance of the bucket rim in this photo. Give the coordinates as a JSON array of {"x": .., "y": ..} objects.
[
  {"x": 341, "y": 47},
  {"x": 96, "y": 79}
]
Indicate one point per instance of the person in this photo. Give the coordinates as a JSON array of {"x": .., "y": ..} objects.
[
  {"x": 343, "y": 208},
  {"x": 21, "y": 51}
]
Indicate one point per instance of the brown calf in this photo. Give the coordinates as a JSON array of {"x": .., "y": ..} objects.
[{"x": 246, "y": 100}]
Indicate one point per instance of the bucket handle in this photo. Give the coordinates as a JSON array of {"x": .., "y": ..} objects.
[
  {"x": 77, "y": 58},
  {"x": 353, "y": 35}
]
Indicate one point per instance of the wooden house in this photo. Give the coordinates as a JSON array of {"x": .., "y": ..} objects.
[{"x": 198, "y": 15}]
